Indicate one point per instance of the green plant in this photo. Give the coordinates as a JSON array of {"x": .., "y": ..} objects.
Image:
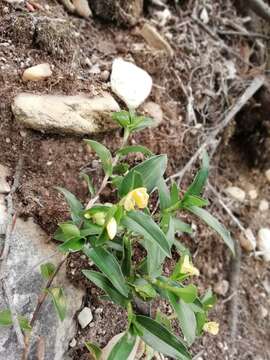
[{"x": 106, "y": 234}]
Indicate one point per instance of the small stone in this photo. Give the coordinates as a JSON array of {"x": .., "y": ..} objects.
[
  {"x": 267, "y": 174},
  {"x": 73, "y": 343},
  {"x": 38, "y": 72},
  {"x": 264, "y": 205},
  {"x": 236, "y": 193},
  {"x": 264, "y": 243},
  {"x": 85, "y": 317},
  {"x": 248, "y": 240},
  {"x": 8, "y": 140},
  {"x": 222, "y": 287},
  {"x": 263, "y": 311},
  {"x": 131, "y": 83},
  {"x": 204, "y": 16},
  {"x": 253, "y": 194},
  {"x": 105, "y": 75},
  {"x": 82, "y": 8},
  {"x": 4, "y": 186},
  {"x": 65, "y": 114},
  {"x": 154, "y": 111},
  {"x": 155, "y": 40}
]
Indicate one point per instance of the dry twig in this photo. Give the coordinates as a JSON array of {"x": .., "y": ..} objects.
[{"x": 260, "y": 8}]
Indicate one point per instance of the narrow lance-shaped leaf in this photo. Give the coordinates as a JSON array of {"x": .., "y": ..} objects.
[
  {"x": 198, "y": 183},
  {"x": 59, "y": 301},
  {"x": 108, "y": 264},
  {"x": 102, "y": 282},
  {"x": 185, "y": 316},
  {"x": 104, "y": 155},
  {"x": 74, "y": 204},
  {"x": 144, "y": 225},
  {"x": 94, "y": 350},
  {"x": 162, "y": 340},
  {"x": 123, "y": 347},
  {"x": 151, "y": 170},
  {"x": 214, "y": 224}
]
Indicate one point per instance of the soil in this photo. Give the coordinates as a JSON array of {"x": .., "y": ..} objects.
[{"x": 197, "y": 75}]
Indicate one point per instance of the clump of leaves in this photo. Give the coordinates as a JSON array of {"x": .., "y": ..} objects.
[{"x": 106, "y": 234}]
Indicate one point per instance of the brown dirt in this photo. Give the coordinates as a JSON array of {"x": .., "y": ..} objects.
[{"x": 71, "y": 45}]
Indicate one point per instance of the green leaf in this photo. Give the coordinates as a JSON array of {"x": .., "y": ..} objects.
[
  {"x": 122, "y": 117},
  {"x": 214, "y": 224},
  {"x": 164, "y": 194},
  {"x": 144, "y": 289},
  {"x": 139, "y": 123},
  {"x": 181, "y": 226},
  {"x": 59, "y": 301},
  {"x": 185, "y": 316},
  {"x": 47, "y": 270},
  {"x": 102, "y": 282},
  {"x": 120, "y": 169},
  {"x": 93, "y": 349},
  {"x": 108, "y": 264},
  {"x": 123, "y": 347},
  {"x": 89, "y": 183},
  {"x": 104, "y": 155},
  {"x": 187, "y": 293},
  {"x": 151, "y": 170},
  {"x": 6, "y": 320},
  {"x": 144, "y": 225},
  {"x": 198, "y": 183},
  {"x": 208, "y": 300},
  {"x": 174, "y": 194},
  {"x": 134, "y": 149},
  {"x": 162, "y": 340},
  {"x": 193, "y": 200},
  {"x": 70, "y": 230},
  {"x": 163, "y": 320},
  {"x": 127, "y": 255},
  {"x": 74, "y": 204},
  {"x": 90, "y": 229},
  {"x": 72, "y": 245}
]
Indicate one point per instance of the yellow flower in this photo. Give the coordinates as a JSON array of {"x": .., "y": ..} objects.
[
  {"x": 188, "y": 268},
  {"x": 112, "y": 228},
  {"x": 137, "y": 197},
  {"x": 211, "y": 327},
  {"x": 99, "y": 218}
]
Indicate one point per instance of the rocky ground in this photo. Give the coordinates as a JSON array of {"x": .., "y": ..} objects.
[{"x": 196, "y": 77}]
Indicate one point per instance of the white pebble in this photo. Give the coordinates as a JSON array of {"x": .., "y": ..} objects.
[
  {"x": 253, "y": 194},
  {"x": 236, "y": 193},
  {"x": 73, "y": 343},
  {"x": 131, "y": 83},
  {"x": 38, "y": 72},
  {"x": 85, "y": 317},
  {"x": 264, "y": 243},
  {"x": 264, "y": 205},
  {"x": 248, "y": 240},
  {"x": 267, "y": 174}
]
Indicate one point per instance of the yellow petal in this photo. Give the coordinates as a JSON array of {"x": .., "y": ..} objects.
[
  {"x": 141, "y": 197},
  {"x": 188, "y": 268},
  {"x": 112, "y": 228},
  {"x": 211, "y": 327},
  {"x": 129, "y": 202}
]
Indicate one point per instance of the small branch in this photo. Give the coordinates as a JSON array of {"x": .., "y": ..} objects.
[
  {"x": 41, "y": 300},
  {"x": 243, "y": 33},
  {"x": 260, "y": 8},
  {"x": 106, "y": 178},
  {"x": 255, "y": 85},
  {"x": 220, "y": 41}
]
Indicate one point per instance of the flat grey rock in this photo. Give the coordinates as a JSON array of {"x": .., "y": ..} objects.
[
  {"x": 29, "y": 246},
  {"x": 4, "y": 185},
  {"x": 78, "y": 114}
]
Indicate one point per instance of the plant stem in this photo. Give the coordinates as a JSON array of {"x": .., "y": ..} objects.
[
  {"x": 41, "y": 300},
  {"x": 107, "y": 176}
]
